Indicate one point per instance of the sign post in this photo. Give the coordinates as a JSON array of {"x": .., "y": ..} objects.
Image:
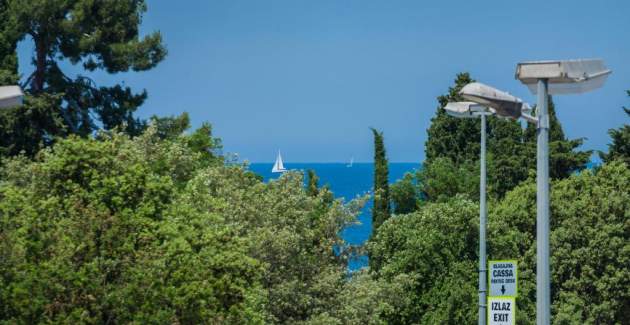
[
  {"x": 501, "y": 311},
  {"x": 502, "y": 276}
]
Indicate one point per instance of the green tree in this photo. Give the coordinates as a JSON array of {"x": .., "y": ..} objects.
[
  {"x": 564, "y": 158},
  {"x": 108, "y": 231},
  {"x": 590, "y": 245},
  {"x": 511, "y": 150},
  {"x": 8, "y": 55},
  {"x": 431, "y": 256},
  {"x": 171, "y": 127},
  {"x": 620, "y": 146},
  {"x": 95, "y": 35},
  {"x": 404, "y": 194},
  {"x": 144, "y": 230},
  {"x": 456, "y": 139},
  {"x": 441, "y": 180},
  {"x": 381, "y": 210},
  {"x": 313, "y": 183}
]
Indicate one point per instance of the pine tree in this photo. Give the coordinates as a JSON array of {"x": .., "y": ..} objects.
[
  {"x": 95, "y": 35},
  {"x": 381, "y": 210}
]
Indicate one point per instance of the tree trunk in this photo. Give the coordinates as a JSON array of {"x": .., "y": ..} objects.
[{"x": 40, "y": 65}]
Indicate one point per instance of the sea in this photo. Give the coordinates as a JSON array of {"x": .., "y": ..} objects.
[{"x": 345, "y": 182}]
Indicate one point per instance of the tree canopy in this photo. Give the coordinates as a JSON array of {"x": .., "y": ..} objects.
[
  {"x": 381, "y": 210},
  {"x": 620, "y": 146},
  {"x": 93, "y": 35},
  {"x": 431, "y": 254},
  {"x": 452, "y": 153}
]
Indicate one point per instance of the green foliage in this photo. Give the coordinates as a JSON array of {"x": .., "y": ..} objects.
[
  {"x": 620, "y": 146},
  {"x": 171, "y": 127},
  {"x": 564, "y": 158},
  {"x": 149, "y": 230},
  {"x": 292, "y": 233},
  {"x": 313, "y": 183},
  {"x": 98, "y": 231},
  {"x": 590, "y": 245},
  {"x": 381, "y": 210},
  {"x": 430, "y": 254},
  {"x": 31, "y": 127},
  {"x": 441, "y": 180},
  {"x": 404, "y": 195},
  {"x": 97, "y": 35},
  {"x": 511, "y": 150},
  {"x": 456, "y": 139},
  {"x": 8, "y": 55}
]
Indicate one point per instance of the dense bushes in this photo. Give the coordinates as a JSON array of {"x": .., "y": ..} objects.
[
  {"x": 151, "y": 230},
  {"x": 102, "y": 231},
  {"x": 590, "y": 245}
]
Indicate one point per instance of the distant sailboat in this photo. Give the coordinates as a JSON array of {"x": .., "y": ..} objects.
[
  {"x": 278, "y": 167},
  {"x": 351, "y": 161}
]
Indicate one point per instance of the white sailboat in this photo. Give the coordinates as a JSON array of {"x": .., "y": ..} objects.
[
  {"x": 351, "y": 161},
  {"x": 278, "y": 166}
]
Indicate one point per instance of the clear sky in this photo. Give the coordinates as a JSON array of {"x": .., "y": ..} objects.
[{"x": 309, "y": 77}]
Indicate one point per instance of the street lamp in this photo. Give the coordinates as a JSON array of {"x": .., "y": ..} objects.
[
  {"x": 473, "y": 110},
  {"x": 10, "y": 96},
  {"x": 486, "y": 100},
  {"x": 502, "y": 105},
  {"x": 543, "y": 78}
]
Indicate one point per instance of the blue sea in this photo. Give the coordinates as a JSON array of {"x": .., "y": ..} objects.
[{"x": 348, "y": 183}]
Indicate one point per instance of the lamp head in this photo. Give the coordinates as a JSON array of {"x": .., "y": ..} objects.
[
  {"x": 504, "y": 104},
  {"x": 563, "y": 76},
  {"x": 10, "y": 96},
  {"x": 466, "y": 109}
]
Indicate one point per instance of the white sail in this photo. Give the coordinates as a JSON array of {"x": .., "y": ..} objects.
[
  {"x": 351, "y": 161},
  {"x": 278, "y": 166}
]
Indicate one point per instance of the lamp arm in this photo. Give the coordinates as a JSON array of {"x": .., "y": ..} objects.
[{"x": 529, "y": 118}]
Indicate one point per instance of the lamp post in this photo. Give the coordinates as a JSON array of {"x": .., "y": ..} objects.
[
  {"x": 473, "y": 110},
  {"x": 10, "y": 96},
  {"x": 544, "y": 78},
  {"x": 485, "y": 101}
]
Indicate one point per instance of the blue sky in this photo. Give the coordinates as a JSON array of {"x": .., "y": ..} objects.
[{"x": 310, "y": 77}]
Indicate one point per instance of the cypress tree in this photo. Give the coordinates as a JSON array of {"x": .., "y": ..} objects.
[
  {"x": 619, "y": 149},
  {"x": 313, "y": 183},
  {"x": 381, "y": 209}
]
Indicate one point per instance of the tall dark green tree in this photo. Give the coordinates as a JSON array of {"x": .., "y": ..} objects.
[
  {"x": 381, "y": 210},
  {"x": 94, "y": 35},
  {"x": 8, "y": 55},
  {"x": 511, "y": 151},
  {"x": 456, "y": 139},
  {"x": 313, "y": 183},
  {"x": 620, "y": 147}
]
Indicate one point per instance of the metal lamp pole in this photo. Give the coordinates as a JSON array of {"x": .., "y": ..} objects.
[
  {"x": 543, "y": 284},
  {"x": 543, "y": 78},
  {"x": 472, "y": 110},
  {"x": 483, "y": 216}
]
